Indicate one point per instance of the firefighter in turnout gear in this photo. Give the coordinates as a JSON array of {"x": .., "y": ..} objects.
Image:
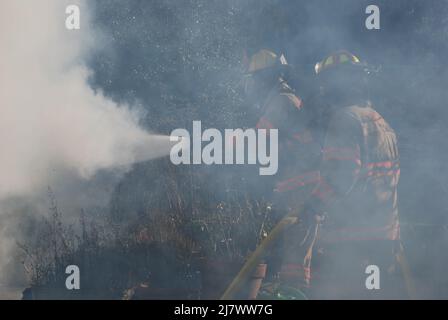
[
  {"x": 279, "y": 107},
  {"x": 355, "y": 200}
]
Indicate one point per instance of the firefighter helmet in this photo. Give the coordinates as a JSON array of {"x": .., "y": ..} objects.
[
  {"x": 340, "y": 58},
  {"x": 265, "y": 59}
]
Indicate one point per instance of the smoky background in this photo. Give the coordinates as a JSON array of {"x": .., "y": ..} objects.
[{"x": 182, "y": 61}]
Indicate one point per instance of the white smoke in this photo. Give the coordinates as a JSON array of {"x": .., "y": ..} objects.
[{"x": 49, "y": 116}]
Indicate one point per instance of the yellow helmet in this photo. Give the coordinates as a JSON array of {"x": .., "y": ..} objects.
[
  {"x": 336, "y": 59},
  {"x": 264, "y": 59}
]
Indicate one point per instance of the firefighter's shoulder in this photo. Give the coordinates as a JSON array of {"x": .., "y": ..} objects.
[{"x": 363, "y": 113}]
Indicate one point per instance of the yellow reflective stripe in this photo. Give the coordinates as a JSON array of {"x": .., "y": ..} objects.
[
  {"x": 343, "y": 58},
  {"x": 329, "y": 61}
]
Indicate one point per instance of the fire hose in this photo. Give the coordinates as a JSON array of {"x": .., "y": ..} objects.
[
  {"x": 254, "y": 259},
  {"x": 290, "y": 219}
]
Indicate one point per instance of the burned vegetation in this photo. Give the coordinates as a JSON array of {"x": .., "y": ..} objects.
[{"x": 185, "y": 239}]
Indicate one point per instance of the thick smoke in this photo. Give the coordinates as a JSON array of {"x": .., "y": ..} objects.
[
  {"x": 50, "y": 117},
  {"x": 175, "y": 43},
  {"x": 54, "y": 129},
  {"x": 182, "y": 61}
]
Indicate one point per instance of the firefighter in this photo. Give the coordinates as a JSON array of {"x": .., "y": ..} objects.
[
  {"x": 279, "y": 107},
  {"x": 355, "y": 201}
]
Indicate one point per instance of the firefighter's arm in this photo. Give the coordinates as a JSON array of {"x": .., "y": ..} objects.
[
  {"x": 341, "y": 161},
  {"x": 283, "y": 112}
]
